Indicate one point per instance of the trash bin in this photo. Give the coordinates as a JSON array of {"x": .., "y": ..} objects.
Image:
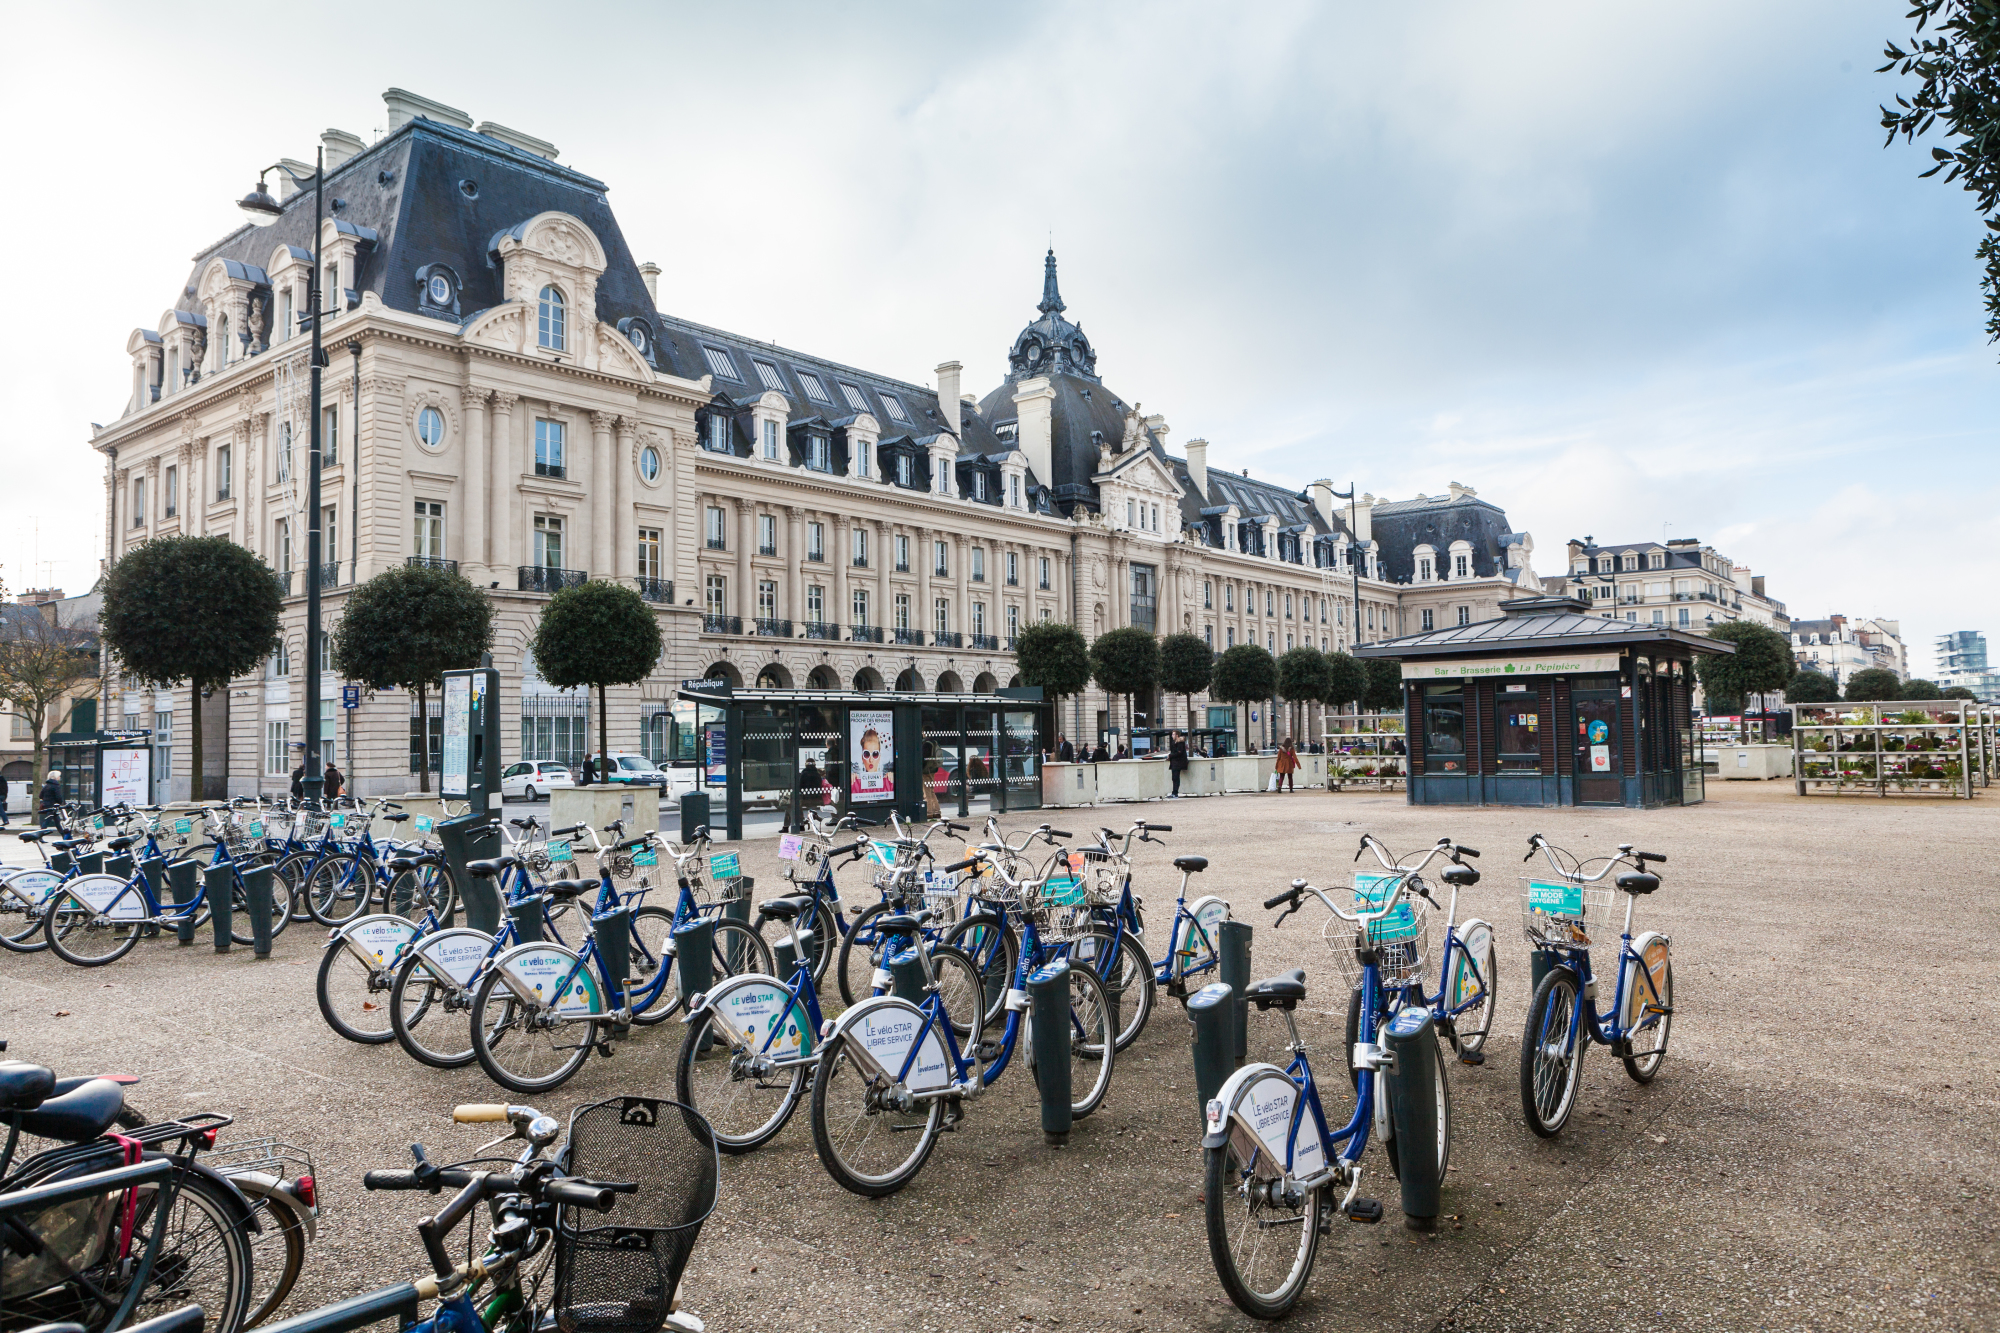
[{"x": 694, "y": 813}]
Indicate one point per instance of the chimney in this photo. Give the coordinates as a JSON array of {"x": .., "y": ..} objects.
[
  {"x": 1197, "y": 456},
  {"x": 1157, "y": 423},
  {"x": 1459, "y": 492},
  {"x": 1757, "y": 584},
  {"x": 527, "y": 143},
  {"x": 1364, "y": 518},
  {"x": 405, "y": 107},
  {"x": 1838, "y": 622},
  {"x": 339, "y": 146},
  {"x": 1322, "y": 497},
  {"x": 1035, "y": 401},
  {"x": 651, "y": 273},
  {"x": 948, "y": 397}
]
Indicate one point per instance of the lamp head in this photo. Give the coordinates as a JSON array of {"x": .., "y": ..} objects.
[{"x": 261, "y": 207}]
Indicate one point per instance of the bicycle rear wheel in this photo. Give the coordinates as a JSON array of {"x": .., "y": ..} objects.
[
  {"x": 522, "y": 1047},
  {"x": 430, "y": 1018},
  {"x": 1122, "y": 964},
  {"x": 1441, "y": 1090},
  {"x": 996, "y": 953},
  {"x": 868, "y": 1145},
  {"x": 859, "y": 956},
  {"x": 240, "y": 929},
  {"x": 414, "y": 892},
  {"x": 1552, "y": 1047},
  {"x": 277, "y": 1252},
  {"x": 80, "y": 936},
  {"x": 204, "y": 1256},
  {"x": 745, "y": 1107},
  {"x": 1653, "y": 1004},
  {"x": 1093, "y": 1042},
  {"x": 337, "y": 890},
  {"x": 652, "y": 927},
  {"x": 1474, "y": 981},
  {"x": 1263, "y": 1243}
]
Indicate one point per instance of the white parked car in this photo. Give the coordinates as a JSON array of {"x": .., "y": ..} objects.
[
  {"x": 636, "y": 770},
  {"x": 532, "y": 781}
]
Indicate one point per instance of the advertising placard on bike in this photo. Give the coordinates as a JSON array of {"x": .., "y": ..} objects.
[
  {"x": 724, "y": 866},
  {"x": 871, "y": 753},
  {"x": 380, "y": 938},
  {"x": 455, "y": 954},
  {"x": 888, "y": 1032},
  {"x": 107, "y": 896},
  {"x": 1370, "y": 892},
  {"x": 1555, "y": 899},
  {"x": 789, "y": 846},
  {"x": 553, "y": 977},
  {"x": 1197, "y": 946},
  {"x": 1266, "y": 1107},
  {"x": 757, "y": 1008},
  {"x": 559, "y": 851}
]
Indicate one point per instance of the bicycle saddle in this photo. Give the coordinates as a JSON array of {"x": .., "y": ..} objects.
[
  {"x": 490, "y": 867},
  {"x": 33, "y": 835},
  {"x": 897, "y": 923},
  {"x": 1284, "y": 990},
  {"x": 1463, "y": 876},
  {"x": 1191, "y": 863},
  {"x": 564, "y": 889},
  {"x": 64, "y": 844},
  {"x": 76, "y": 1117},
  {"x": 1639, "y": 881},
  {"x": 396, "y": 816},
  {"x": 785, "y": 909},
  {"x": 120, "y": 844},
  {"x": 23, "y": 1086},
  {"x": 402, "y": 863}
]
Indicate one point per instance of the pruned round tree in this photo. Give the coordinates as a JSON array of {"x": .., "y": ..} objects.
[
  {"x": 1187, "y": 664},
  {"x": 597, "y": 634},
  {"x": 197, "y": 609},
  {"x": 406, "y": 627},
  {"x": 1054, "y": 656},
  {"x": 1126, "y": 661},
  {"x": 1385, "y": 685},
  {"x": 1959, "y": 692},
  {"x": 1812, "y": 687},
  {"x": 1303, "y": 676},
  {"x": 1918, "y": 688},
  {"x": 1761, "y": 664},
  {"x": 1244, "y": 674},
  {"x": 1873, "y": 685},
  {"x": 1346, "y": 679}
]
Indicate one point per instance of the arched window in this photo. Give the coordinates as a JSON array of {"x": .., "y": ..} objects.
[{"x": 551, "y": 329}]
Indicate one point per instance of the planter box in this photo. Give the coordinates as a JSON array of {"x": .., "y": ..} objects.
[
  {"x": 1753, "y": 763},
  {"x": 1069, "y": 784},
  {"x": 1245, "y": 772},
  {"x": 1132, "y": 780}
]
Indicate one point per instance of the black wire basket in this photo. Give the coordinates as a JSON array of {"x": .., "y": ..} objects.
[{"x": 617, "y": 1272}]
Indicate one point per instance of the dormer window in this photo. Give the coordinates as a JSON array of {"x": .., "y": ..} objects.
[
  {"x": 903, "y": 472},
  {"x": 979, "y": 485},
  {"x": 552, "y": 321},
  {"x": 720, "y": 364},
  {"x": 895, "y": 406},
  {"x": 771, "y": 441},
  {"x": 1461, "y": 567},
  {"x": 1014, "y": 491},
  {"x": 768, "y": 373},
  {"x": 814, "y": 389},
  {"x": 819, "y": 455},
  {"x": 854, "y": 398},
  {"x": 718, "y": 441},
  {"x": 861, "y": 450}
]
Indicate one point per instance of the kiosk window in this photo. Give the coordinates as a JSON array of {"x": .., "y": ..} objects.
[
  {"x": 1520, "y": 730},
  {"x": 1444, "y": 729}
]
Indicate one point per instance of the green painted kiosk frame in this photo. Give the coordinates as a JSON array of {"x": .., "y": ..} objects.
[
  {"x": 868, "y": 752},
  {"x": 1551, "y": 704}
]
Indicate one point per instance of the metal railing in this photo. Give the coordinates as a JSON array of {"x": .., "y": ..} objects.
[
  {"x": 329, "y": 574},
  {"x": 718, "y": 543},
  {"x": 820, "y": 629},
  {"x": 910, "y": 637},
  {"x": 947, "y": 638},
  {"x": 865, "y": 633},
  {"x": 773, "y": 628},
  {"x": 656, "y": 590},
  {"x": 986, "y": 641},
  {"x": 431, "y": 562},
  {"x": 283, "y": 578},
  {"x": 714, "y": 624},
  {"x": 547, "y": 578},
  {"x": 860, "y": 562}
]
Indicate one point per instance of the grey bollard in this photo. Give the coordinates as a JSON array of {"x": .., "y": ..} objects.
[
  {"x": 1048, "y": 1011},
  {"x": 738, "y": 909},
  {"x": 694, "y": 956},
  {"x": 785, "y": 954},
  {"x": 471, "y": 837},
  {"x": 120, "y": 865},
  {"x": 257, "y": 889},
  {"x": 219, "y": 884},
  {"x": 1413, "y": 1111},
  {"x": 613, "y": 932},
  {"x": 90, "y": 863},
  {"x": 1233, "y": 967},
  {"x": 693, "y": 807},
  {"x": 1539, "y": 963},
  {"x": 906, "y": 968},
  {"x": 1211, "y": 1011},
  {"x": 61, "y": 863},
  {"x": 182, "y": 876},
  {"x": 527, "y": 916}
]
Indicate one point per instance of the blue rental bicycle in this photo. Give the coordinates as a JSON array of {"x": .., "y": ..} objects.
[
  {"x": 1273, "y": 1164},
  {"x": 1561, "y": 914}
]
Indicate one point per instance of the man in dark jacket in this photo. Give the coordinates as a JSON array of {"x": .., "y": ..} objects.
[
  {"x": 1065, "y": 752},
  {"x": 1177, "y": 760},
  {"x": 299, "y": 781},
  {"x": 51, "y": 798},
  {"x": 333, "y": 780},
  {"x": 1100, "y": 755},
  {"x": 3, "y": 803},
  {"x": 589, "y": 769}
]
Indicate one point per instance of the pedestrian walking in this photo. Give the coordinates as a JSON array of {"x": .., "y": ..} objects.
[
  {"x": 333, "y": 780},
  {"x": 299, "y": 781},
  {"x": 589, "y": 769},
  {"x": 1177, "y": 760},
  {"x": 51, "y": 799},
  {"x": 1288, "y": 764},
  {"x": 3, "y": 803},
  {"x": 1100, "y": 755}
]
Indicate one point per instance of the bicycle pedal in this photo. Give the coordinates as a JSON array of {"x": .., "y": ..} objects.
[
  {"x": 1473, "y": 1058},
  {"x": 604, "y": 1049},
  {"x": 1368, "y": 1211}
]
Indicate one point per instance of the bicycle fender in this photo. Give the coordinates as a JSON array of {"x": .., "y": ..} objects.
[
  {"x": 1208, "y": 912},
  {"x": 747, "y": 1005},
  {"x": 1258, "y": 1101},
  {"x": 531, "y": 971},
  {"x": 32, "y": 885},
  {"x": 453, "y": 956},
  {"x": 263, "y": 1185},
  {"x": 240, "y": 1210},
  {"x": 884, "y": 1029},
  {"x": 1642, "y": 943},
  {"x": 377, "y": 940},
  {"x": 1469, "y": 932}
]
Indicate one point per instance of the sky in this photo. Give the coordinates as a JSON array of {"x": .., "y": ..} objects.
[{"x": 1631, "y": 270}]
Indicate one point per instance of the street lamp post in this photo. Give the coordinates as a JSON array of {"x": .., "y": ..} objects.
[{"x": 263, "y": 211}]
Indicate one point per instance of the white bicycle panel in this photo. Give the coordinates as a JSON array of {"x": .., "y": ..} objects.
[
  {"x": 1261, "y": 1099},
  {"x": 752, "y": 1005},
  {"x": 377, "y": 940},
  {"x": 107, "y": 896},
  {"x": 455, "y": 955},
  {"x": 1198, "y": 937},
  {"x": 1654, "y": 954},
  {"x": 35, "y": 886},
  {"x": 887, "y": 1028},
  {"x": 1476, "y": 937},
  {"x": 540, "y": 970}
]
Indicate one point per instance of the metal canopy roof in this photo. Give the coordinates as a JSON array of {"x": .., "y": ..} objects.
[{"x": 1541, "y": 622}]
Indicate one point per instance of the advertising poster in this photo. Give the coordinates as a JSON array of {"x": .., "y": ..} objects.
[
  {"x": 125, "y": 777},
  {"x": 872, "y": 738}
]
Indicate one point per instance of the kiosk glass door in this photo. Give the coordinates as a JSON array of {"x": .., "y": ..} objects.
[{"x": 1599, "y": 742}]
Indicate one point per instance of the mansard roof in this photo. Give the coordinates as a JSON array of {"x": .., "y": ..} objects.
[{"x": 1400, "y": 526}]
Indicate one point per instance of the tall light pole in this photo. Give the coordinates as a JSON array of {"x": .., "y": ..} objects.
[{"x": 263, "y": 211}]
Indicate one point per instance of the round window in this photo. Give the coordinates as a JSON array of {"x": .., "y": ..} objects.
[
  {"x": 649, "y": 463},
  {"x": 440, "y": 289},
  {"x": 430, "y": 427}
]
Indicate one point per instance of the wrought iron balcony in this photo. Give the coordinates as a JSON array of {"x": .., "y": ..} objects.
[
  {"x": 865, "y": 633},
  {"x": 773, "y": 628},
  {"x": 1013, "y": 642},
  {"x": 714, "y": 624},
  {"x": 547, "y": 578},
  {"x": 283, "y": 578},
  {"x": 820, "y": 629},
  {"x": 431, "y": 562},
  {"x": 947, "y": 638},
  {"x": 861, "y": 562},
  {"x": 913, "y": 638},
  {"x": 656, "y": 590},
  {"x": 718, "y": 543},
  {"x": 986, "y": 641},
  {"x": 765, "y": 549},
  {"x": 329, "y": 574}
]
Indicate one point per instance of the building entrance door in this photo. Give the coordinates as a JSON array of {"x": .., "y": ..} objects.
[{"x": 1600, "y": 759}]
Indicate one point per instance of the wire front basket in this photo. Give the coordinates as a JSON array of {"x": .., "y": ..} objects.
[
  {"x": 1058, "y": 906},
  {"x": 616, "y": 1272},
  {"x": 1102, "y": 874},
  {"x": 1561, "y": 913},
  {"x": 1402, "y": 938}
]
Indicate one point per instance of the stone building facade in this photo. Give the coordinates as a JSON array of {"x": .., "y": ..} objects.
[
  {"x": 505, "y": 394},
  {"x": 1683, "y": 583}
]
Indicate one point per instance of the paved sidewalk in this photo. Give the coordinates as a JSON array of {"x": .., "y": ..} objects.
[{"x": 1818, "y": 1152}]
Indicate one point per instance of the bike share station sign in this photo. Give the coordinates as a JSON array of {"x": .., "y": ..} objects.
[{"x": 471, "y": 773}]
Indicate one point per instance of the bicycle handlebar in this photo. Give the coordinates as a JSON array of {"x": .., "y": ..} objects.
[
  {"x": 1288, "y": 896},
  {"x": 957, "y": 866}
]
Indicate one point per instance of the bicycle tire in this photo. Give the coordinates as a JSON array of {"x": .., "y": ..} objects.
[
  {"x": 1131, "y": 989},
  {"x": 1644, "y": 1067},
  {"x": 824, "y": 932},
  {"x": 340, "y": 969},
  {"x": 279, "y": 1249},
  {"x": 1471, "y": 1027},
  {"x": 507, "y": 1017},
  {"x": 415, "y": 892},
  {"x": 853, "y": 989},
  {"x": 239, "y": 909},
  {"x": 1442, "y": 1091},
  {"x": 28, "y": 937},
  {"x": 652, "y": 927},
  {"x": 68, "y": 929},
  {"x": 1223, "y": 1194},
  {"x": 1093, "y": 1045},
  {"x": 420, "y": 1012},
  {"x": 226, "y": 1245},
  {"x": 1551, "y": 1063},
  {"x": 338, "y": 889},
  {"x": 995, "y": 950},
  {"x": 704, "y": 1055},
  {"x": 836, "y": 1076}
]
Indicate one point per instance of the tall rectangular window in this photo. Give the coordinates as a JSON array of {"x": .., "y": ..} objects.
[
  {"x": 329, "y": 434},
  {"x": 222, "y": 479},
  {"x": 816, "y": 541},
  {"x": 1014, "y": 489},
  {"x": 979, "y": 617},
  {"x": 1229, "y": 597},
  {"x": 277, "y": 744},
  {"x": 282, "y": 543},
  {"x": 549, "y": 439},
  {"x": 329, "y": 528},
  {"x": 861, "y": 607},
  {"x": 1043, "y": 582},
  {"x": 979, "y": 564},
  {"x": 902, "y": 553},
  {"x": 862, "y": 452},
  {"x": 1229, "y": 636},
  {"x": 170, "y": 486},
  {"x": 771, "y": 440},
  {"x": 1145, "y": 602},
  {"x": 941, "y": 610},
  {"x": 716, "y": 528},
  {"x": 284, "y": 461},
  {"x": 712, "y": 594},
  {"x": 816, "y": 604},
  {"x": 1208, "y": 635},
  {"x": 1465, "y": 615},
  {"x": 941, "y": 562},
  {"x": 1208, "y": 594},
  {"x": 819, "y": 453},
  {"x": 767, "y": 599},
  {"x": 904, "y": 471},
  {"x": 1428, "y": 619},
  {"x": 429, "y": 538},
  {"x": 902, "y": 610},
  {"x": 649, "y": 553},
  {"x": 717, "y": 440},
  {"x": 548, "y": 541},
  {"x": 1013, "y": 621},
  {"x": 138, "y": 502},
  {"x": 767, "y": 534},
  {"x": 1013, "y": 569},
  {"x": 858, "y": 546}
]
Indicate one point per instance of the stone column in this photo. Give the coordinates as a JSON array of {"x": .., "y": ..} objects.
[
  {"x": 841, "y": 613},
  {"x": 503, "y": 544},
  {"x": 920, "y": 541},
  {"x": 961, "y": 561},
  {"x": 795, "y": 555},
  {"x": 746, "y": 585},
  {"x": 603, "y": 514},
  {"x": 474, "y": 484},
  {"x": 624, "y": 534}
]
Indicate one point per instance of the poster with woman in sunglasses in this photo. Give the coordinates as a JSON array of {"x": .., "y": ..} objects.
[{"x": 872, "y": 736}]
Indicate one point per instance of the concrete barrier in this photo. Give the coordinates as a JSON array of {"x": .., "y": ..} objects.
[
  {"x": 595, "y": 806},
  {"x": 1132, "y": 780},
  {"x": 1753, "y": 763},
  {"x": 1240, "y": 772},
  {"x": 1203, "y": 777},
  {"x": 1069, "y": 784}
]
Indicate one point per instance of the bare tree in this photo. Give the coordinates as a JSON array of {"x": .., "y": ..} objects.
[{"x": 42, "y": 661}]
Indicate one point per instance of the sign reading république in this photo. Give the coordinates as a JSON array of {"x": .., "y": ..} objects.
[{"x": 1482, "y": 668}]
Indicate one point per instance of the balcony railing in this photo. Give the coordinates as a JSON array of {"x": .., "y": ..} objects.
[
  {"x": 718, "y": 543},
  {"x": 820, "y": 629},
  {"x": 860, "y": 562},
  {"x": 547, "y": 578},
  {"x": 656, "y": 590},
  {"x": 715, "y": 624},
  {"x": 948, "y": 638},
  {"x": 865, "y": 633},
  {"x": 764, "y": 549},
  {"x": 913, "y": 638},
  {"x": 987, "y": 641},
  {"x": 1013, "y": 642},
  {"x": 772, "y": 628},
  {"x": 284, "y": 581},
  {"x": 431, "y": 562},
  {"x": 329, "y": 574}
]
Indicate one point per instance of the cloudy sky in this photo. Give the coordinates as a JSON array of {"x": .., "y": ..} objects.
[{"x": 1629, "y": 270}]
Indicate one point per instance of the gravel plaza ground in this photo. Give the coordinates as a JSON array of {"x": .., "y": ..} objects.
[{"x": 1817, "y": 1153}]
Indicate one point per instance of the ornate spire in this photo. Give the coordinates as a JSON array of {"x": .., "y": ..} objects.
[{"x": 1052, "y": 302}]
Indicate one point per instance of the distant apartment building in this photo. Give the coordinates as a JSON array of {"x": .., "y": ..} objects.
[
  {"x": 1961, "y": 657},
  {"x": 1838, "y": 647},
  {"x": 1680, "y": 583}
]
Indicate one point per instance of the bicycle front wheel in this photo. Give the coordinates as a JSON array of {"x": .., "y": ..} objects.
[
  {"x": 996, "y": 952},
  {"x": 524, "y": 1047},
  {"x": 1552, "y": 1047},
  {"x": 277, "y": 1253},
  {"x": 81, "y": 936},
  {"x": 240, "y": 929},
  {"x": 1093, "y": 1036},
  {"x": 337, "y": 890},
  {"x": 1441, "y": 1092},
  {"x": 1263, "y": 1241},
  {"x": 746, "y": 1106},
  {"x": 653, "y": 998},
  {"x": 354, "y": 997},
  {"x": 415, "y": 892},
  {"x": 860, "y": 954},
  {"x": 866, "y": 1143}
]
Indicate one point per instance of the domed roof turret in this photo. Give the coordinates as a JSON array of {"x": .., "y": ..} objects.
[{"x": 1051, "y": 345}]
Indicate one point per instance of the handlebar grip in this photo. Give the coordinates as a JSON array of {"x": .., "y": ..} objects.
[
  {"x": 1463, "y": 850},
  {"x": 565, "y": 832},
  {"x": 479, "y": 1113},
  {"x": 1660, "y": 857},
  {"x": 580, "y": 1196},
  {"x": 957, "y": 866},
  {"x": 1059, "y": 833},
  {"x": 1158, "y": 828},
  {"x": 391, "y": 1180},
  {"x": 1288, "y": 896},
  {"x": 956, "y": 827}
]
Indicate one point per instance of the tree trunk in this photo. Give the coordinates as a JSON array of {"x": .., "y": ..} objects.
[
  {"x": 36, "y": 778},
  {"x": 603, "y": 740},
  {"x": 195, "y": 792},
  {"x": 423, "y": 740}
]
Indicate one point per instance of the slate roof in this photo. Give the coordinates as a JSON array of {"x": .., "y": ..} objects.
[
  {"x": 1539, "y": 622},
  {"x": 1400, "y": 526}
]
